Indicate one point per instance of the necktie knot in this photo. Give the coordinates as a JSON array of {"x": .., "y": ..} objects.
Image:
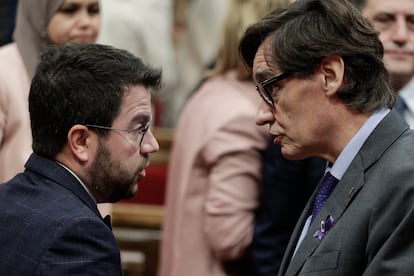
[{"x": 324, "y": 190}]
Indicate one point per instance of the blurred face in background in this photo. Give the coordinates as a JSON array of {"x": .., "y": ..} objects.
[
  {"x": 75, "y": 21},
  {"x": 395, "y": 22}
]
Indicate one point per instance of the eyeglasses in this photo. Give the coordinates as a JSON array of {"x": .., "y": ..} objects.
[
  {"x": 136, "y": 135},
  {"x": 265, "y": 87}
]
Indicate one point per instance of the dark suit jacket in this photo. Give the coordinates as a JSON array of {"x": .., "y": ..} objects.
[
  {"x": 49, "y": 225},
  {"x": 373, "y": 211},
  {"x": 286, "y": 187}
]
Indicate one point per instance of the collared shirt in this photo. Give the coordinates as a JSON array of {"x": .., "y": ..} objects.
[
  {"x": 80, "y": 181},
  {"x": 407, "y": 94},
  {"x": 345, "y": 158}
]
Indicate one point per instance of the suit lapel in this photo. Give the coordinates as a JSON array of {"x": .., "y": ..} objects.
[
  {"x": 287, "y": 260},
  {"x": 343, "y": 194},
  {"x": 335, "y": 206}
]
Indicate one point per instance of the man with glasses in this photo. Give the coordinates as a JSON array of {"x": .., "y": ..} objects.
[
  {"x": 90, "y": 112},
  {"x": 326, "y": 93}
]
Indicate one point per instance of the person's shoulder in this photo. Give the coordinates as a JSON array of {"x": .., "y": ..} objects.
[
  {"x": 48, "y": 200},
  {"x": 9, "y": 52},
  {"x": 35, "y": 208},
  {"x": 47, "y": 218},
  {"x": 394, "y": 157},
  {"x": 227, "y": 90},
  {"x": 11, "y": 63},
  {"x": 219, "y": 101}
]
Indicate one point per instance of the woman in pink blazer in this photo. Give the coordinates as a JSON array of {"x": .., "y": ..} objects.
[
  {"x": 215, "y": 166},
  {"x": 38, "y": 24}
]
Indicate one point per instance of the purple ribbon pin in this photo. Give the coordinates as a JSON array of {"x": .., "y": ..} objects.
[{"x": 325, "y": 226}]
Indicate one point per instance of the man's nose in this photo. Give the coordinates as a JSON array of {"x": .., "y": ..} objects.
[{"x": 265, "y": 114}]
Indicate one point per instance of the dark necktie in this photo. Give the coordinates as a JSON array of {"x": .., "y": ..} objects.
[{"x": 324, "y": 190}]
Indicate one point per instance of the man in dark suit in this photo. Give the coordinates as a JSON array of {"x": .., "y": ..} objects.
[
  {"x": 318, "y": 67},
  {"x": 90, "y": 112}
]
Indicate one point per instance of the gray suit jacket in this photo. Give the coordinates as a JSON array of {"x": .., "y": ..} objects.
[{"x": 373, "y": 211}]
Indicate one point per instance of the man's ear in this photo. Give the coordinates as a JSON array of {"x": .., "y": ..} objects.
[
  {"x": 332, "y": 69},
  {"x": 79, "y": 142}
]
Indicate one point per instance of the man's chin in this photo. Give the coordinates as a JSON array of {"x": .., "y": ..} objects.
[
  {"x": 124, "y": 194},
  {"x": 287, "y": 152},
  {"x": 132, "y": 191},
  {"x": 291, "y": 152}
]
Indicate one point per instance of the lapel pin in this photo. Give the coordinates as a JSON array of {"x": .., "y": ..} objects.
[{"x": 325, "y": 226}]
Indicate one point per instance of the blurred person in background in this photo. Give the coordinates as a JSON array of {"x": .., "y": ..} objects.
[
  {"x": 394, "y": 20},
  {"x": 125, "y": 26},
  {"x": 215, "y": 167},
  {"x": 197, "y": 28}
]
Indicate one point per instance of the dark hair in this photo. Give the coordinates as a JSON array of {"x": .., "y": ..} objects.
[
  {"x": 306, "y": 32},
  {"x": 81, "y": 84},
  {"x": 360, "y": 4}
]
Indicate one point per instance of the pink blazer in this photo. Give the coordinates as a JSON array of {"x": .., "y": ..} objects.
[
  {"x": 213, "y": 180},
  {"x": 15, "y": 133}
]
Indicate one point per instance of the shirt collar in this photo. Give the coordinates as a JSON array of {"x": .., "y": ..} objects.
[
  {"x": 80, "y": 181},
  {"x": 355, "y": 144}
]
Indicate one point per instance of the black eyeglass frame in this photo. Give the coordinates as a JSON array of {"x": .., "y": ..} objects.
[
  {"x": 261, "y": 87},
  {"x": 139, "y": 131}
]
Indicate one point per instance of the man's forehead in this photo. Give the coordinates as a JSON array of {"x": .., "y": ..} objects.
[{"x": 263, "y": 63}]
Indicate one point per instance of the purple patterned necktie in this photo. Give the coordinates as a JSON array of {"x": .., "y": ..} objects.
[{"x": 324, "y": 190}]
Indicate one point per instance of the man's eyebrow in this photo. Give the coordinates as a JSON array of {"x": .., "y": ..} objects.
[
  {"x": 143, "y": 119},
  {"x": 262, "y": 75}
]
